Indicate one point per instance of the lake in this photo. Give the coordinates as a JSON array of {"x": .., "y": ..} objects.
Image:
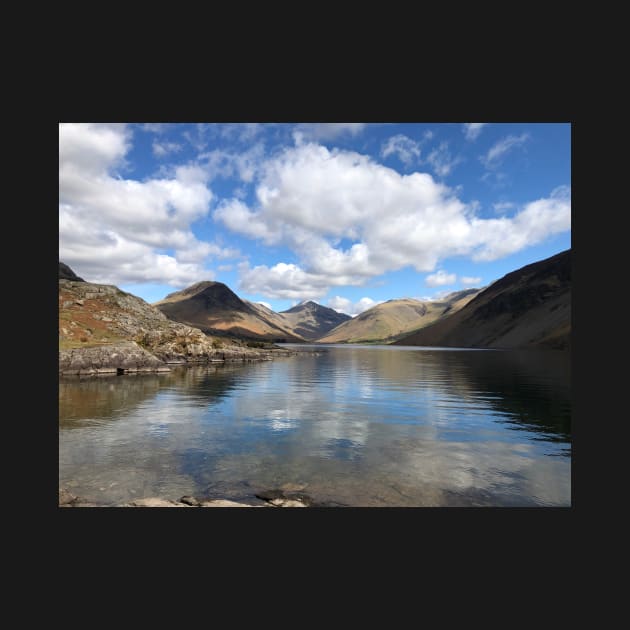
[{"x": 354, "y": 426}]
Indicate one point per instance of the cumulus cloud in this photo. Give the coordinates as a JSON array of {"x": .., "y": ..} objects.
[
  {"x": 327, "y": 131},
  {"x": 442, "y": 161},
  {"x": 115, "y": 230},
  {"x": 162, "y": 149},
  {"x": 538, "y": 219},
  {"x": 440, "y": 279},
  {"x": 282, "y": 281},
  {"x": 470, "y": 281},
  {"x": 472, "y": 130},
  {"x": 499, "y": 150},
  {"x": 310, "y": 198},
  {"x": 344, "y": 305},
  {"x": 403, "y": 147},
  {"x": 226, "y": 164}
]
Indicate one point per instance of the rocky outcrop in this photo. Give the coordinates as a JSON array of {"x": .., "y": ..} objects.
[
  {"x": 122, "y": 357},
  {"x": 103, "y": 329}
]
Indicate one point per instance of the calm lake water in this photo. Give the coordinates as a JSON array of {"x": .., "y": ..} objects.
[{"x": 356, "y": 426}]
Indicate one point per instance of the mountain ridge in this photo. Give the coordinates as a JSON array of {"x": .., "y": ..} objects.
[
  {"x": 215, "y": 309},
  {"x": 386, "y": 322},
  {"x": 312, "y": 320},
  {"x": 527, "y": 307}
]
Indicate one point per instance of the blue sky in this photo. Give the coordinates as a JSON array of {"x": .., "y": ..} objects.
[{"x": 346, "y": 214}]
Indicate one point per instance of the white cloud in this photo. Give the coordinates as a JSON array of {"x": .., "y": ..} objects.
[
  {"x": 440, "y": 278},
  {"x": 472, "y": 130},
  {"x": 442, "y": 161},
  {"x": 244, "y": 164},
  {"x": 405, "y": 148},
  {"x": 155, "y": 127},
  {"x": 502, "y": 206},
  {"x": 225, "y": 267},
  {"x": 282, "y": 281},
  {"x": 539, "y": 219},
  {"x": 470, "y": 281},
  {"x": 344, "y": 305},
  {"x": 266, "y": 305},
  {"x": 327, "y": 131},
  {"x": 499, "y": 150},
  {"x": 162, "y": 149},
  {"x": 309, "y": 197},
  {"x": 115, "y": 230}
]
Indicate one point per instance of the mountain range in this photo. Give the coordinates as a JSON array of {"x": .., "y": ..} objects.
[
  {"x": 391, "y": 320},
  {"x": 528, "y": 307},
  {"x": 215, "y": 308}
]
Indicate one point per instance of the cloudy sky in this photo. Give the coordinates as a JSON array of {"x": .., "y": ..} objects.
[{"x": 346, "y": 214}]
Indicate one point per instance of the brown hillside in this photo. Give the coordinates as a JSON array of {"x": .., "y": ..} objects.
[
  {"x": 311, "y": 320},
  {"x": 216, "y": 309},
  {"x": 389, "y": 321},
  {"x": 528, "y": 307}
]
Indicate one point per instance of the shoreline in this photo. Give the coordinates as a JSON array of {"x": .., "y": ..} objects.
[
  {"x": 128, "y": 357},
  {"x": 272, "y": 498}
]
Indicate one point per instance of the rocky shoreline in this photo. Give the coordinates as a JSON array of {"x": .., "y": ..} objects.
[
  {"x": 271, "y": 498},
  {"x": 127, "y": 357}
]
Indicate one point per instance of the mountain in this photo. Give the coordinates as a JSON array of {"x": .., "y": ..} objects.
[
  {"x": 528, "y": 307},
  {"x": 65, "y": 273},
  {"x": 390, "y": 320},
  {"x": 215, "y": 308},
  {"x": 311, "y": 320},
  {"x": 104, "y": 329}
]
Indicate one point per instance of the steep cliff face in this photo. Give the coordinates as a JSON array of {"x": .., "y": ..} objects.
[{"x": 526, "y": 308}]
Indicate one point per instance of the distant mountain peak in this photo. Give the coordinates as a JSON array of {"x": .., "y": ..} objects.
[
  {"x": 307, "y": 304},
  {"x": 65, "y": 273},
  {"x": 312, "y": 320},
  {"x": 213, "y": 307},
  {"x": 193, "y": 289}
]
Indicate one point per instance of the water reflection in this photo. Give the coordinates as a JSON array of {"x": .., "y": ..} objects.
[{"x": 357, "y": 426}]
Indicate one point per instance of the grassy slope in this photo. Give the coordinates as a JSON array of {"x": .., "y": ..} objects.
[{"x": 384, "y": 323}]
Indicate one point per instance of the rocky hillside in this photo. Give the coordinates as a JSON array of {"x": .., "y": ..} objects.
[
  {"x": 311, "y": 320},
  {"x": 528, "y": 307},
  {"x": 216, "y": 309},
  {"x": 384, "y": 323},
  {"x": 104, "y": 329}
]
